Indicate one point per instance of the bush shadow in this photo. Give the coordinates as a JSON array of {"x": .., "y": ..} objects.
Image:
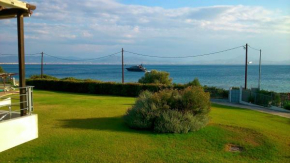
[
  {"x": 128, "y": 104},
  {"x": 115, "y": 124}
]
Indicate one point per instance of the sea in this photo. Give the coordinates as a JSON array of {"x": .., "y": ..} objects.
[{"x": 273, "y": 77}]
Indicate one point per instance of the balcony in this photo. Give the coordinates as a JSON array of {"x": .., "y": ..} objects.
[{"x": 14, "y": 128}]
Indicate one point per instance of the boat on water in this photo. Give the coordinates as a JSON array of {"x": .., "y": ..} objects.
[{"x": 137, "y": 68}]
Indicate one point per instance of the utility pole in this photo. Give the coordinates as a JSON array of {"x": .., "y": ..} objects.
[
  {"x": 41, "y": 64},
  {"x": 246, "y": 67},
  {"x": 122, "y": 65},
  {"x": 259, "y": 85}
]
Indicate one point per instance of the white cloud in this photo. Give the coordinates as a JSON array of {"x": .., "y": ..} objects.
[
  {"x": 86, "y": 34},
  {"x": 108, "y": 23}
]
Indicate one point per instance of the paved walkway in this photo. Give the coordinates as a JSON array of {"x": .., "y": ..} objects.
[{"x": 259, "y": 109}]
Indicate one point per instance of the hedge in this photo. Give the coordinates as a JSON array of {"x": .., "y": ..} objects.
[
  {"x": 111, "y": 88},
  {"x": 105, "y": 88}
]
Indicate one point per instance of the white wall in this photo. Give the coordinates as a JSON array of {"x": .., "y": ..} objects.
[
  {"x": 5, "y": 102},
  {"x": 17, "y": 131}
]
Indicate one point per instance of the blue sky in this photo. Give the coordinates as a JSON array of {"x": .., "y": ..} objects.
[{"x": 95, "y": 28}]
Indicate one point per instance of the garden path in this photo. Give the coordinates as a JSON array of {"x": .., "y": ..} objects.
[{"x": 256, "y": 108}]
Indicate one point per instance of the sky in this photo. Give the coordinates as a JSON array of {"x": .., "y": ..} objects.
[{"x": 172, "y": 28}]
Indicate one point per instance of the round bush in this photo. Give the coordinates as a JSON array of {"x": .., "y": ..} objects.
[
  {"x": 156, "y": 77},
  {"x": 170, "y": 111},
  {"x": 141, "y": 115},
  {"x": 172, "y": 121}
]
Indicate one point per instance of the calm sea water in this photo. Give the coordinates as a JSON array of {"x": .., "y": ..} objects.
[{"x": 275, "y": 78}]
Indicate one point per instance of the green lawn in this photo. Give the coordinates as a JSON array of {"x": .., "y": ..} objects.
[{"x": 89, "y": 128}]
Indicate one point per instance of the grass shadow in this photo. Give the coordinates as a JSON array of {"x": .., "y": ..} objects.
[
  {"x": 128, "y": 104},
  {"x": 115, "y": 124}
]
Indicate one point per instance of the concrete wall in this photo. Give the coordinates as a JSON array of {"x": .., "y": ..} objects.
[
  {"x": 5, "y": 102},
  {"x": 17, "y": 131}
]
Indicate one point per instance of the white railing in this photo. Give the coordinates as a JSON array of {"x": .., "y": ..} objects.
[{"x": 21, "y": 100}]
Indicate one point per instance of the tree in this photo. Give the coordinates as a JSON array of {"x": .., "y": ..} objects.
[
  {"x": 195, "y": 82},
  {"x": 1, "y": 70},
  {"x": 156, "y": 77}
]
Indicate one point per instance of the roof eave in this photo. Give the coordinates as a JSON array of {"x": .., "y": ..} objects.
[
  {"x": 12, "y": 13},
  {"x": 10, "y": 9}
]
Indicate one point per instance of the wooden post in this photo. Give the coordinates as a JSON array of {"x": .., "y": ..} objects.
[
  {"x": 246, "y": 67},
  {"x": 21, "y": 62},
  {"x": 122, "y": 65},
  {"x": 41, "y": 64},
  {"x": 259, "y": 85}
]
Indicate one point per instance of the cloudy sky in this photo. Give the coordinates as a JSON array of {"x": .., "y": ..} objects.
[{"x": 95, "y": 28}]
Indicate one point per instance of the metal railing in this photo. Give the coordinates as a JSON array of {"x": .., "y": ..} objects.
[
  {"x": 262, "y": 99},
  {"x": 12, "y": 103},
  {"x": 257, "y": 98}
]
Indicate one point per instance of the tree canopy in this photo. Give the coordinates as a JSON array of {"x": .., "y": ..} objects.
[
  {"x": 156, "y": 77},
  {"x": 1, "y": 70}
]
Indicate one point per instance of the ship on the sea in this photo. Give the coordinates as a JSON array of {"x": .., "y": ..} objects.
[{"x": 137, "y": 68}]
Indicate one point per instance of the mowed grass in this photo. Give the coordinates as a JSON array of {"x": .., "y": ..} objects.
[{"x": 89, "y": 128}]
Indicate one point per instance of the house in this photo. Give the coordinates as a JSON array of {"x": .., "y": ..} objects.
[{"x": 17, "y": 123}]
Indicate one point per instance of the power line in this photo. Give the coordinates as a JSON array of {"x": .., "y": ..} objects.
[
  {"x": 17, "y": 54},
  {"x": 254, "y": 48},
  {"x": 33, "y": 54},
  {"x": 65, "y": 58},
  {"x": 81, "y": 59},
  {"x": 144, "y": 55},
  {"x": 190, "y": 56},
  {"x": 7, "y": 54}
]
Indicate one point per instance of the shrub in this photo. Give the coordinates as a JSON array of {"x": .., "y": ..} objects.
[
  {"x": 236, "y": 88},
  {"x": 263, "y": 100},
  {"x": 141, "y": 115},
  {"x": 110, "y": 88},
  {"x": 156, "y": 77},
  {"x": 251, "y": 99},
  {"x": 1, "y": 70},
  {"x": 104, "y": 88},
  {"x": 276, "y": 99},
  {"x": 287, "y": 105},
  {"x": 195, "y": 82},
  {"x": 173, "y": 121},
  {"x": 170, "y": 111},
  {"x": 195, "y": 100},
  {"x": 216, "y": 92},
  {"x": 43, "y": 77},
  {"x": 71, "y": 79},
  {"x": 92, "y": 80}
]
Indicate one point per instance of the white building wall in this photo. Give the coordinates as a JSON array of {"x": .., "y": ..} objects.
[{"x": 17, "y": 131}]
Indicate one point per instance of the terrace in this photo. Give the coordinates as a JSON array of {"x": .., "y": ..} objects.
[{"x": 17, "y": 123}]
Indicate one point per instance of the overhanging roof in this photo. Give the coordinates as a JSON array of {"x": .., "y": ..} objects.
[{"x": 10, "y": 8}]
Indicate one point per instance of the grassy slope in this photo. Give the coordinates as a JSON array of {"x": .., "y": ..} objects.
[{"x": 87, "y": 128}]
